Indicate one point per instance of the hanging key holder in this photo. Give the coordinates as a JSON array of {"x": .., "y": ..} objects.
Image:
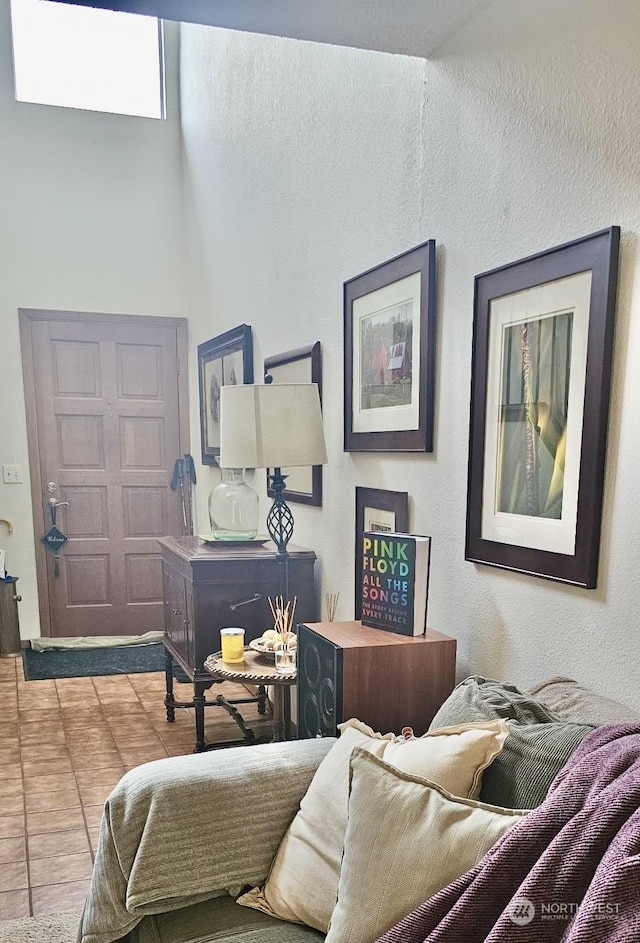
[{"x": 54, "y": 539}]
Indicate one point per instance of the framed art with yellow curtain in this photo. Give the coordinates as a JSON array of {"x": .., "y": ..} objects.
[{"x": 541, "y": 371}]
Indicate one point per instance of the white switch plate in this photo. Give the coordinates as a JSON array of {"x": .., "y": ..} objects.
[{"x": 12, "y": 474}]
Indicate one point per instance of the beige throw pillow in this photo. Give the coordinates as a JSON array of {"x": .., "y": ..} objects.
[
  {"x": 406, "y": 839},
  {"x": 302, "y": 884}
]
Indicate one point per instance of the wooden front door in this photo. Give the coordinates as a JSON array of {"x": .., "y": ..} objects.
[{"x": 107, "y": 418}]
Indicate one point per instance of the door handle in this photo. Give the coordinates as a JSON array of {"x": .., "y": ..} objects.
[{"x": 245, "y": 602}]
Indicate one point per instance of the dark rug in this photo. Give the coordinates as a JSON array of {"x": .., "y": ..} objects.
[{"x": 88, "y": 662}]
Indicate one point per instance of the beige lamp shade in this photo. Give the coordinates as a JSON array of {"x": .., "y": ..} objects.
[{"x": 271, "y": 426}]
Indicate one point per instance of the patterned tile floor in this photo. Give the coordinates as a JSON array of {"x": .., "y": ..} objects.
[{"x": 63, "y": 746}]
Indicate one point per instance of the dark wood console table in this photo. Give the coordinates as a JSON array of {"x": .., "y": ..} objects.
[{"x": 207, "y": 588}]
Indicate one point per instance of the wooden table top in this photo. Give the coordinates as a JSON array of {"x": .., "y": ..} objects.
[{"x": 255, "y": 667}]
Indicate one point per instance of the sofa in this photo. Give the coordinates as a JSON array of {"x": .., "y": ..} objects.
[{"x": 182, "y": 838}]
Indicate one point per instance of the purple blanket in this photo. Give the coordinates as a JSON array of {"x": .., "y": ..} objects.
[{"x": 569, "y": 871}]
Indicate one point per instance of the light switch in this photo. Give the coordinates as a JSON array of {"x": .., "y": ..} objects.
[{"x": 12, "y": 474}]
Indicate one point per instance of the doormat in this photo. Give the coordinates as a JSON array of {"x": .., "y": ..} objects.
[
  {"x": 93, "y": 662},
  {"x": 52, "y": 928}
]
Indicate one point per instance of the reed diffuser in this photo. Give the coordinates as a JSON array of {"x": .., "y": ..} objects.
[{"x": 284, "y": 625}]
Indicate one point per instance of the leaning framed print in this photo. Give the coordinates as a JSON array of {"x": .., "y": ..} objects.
[
  {"x": 389, "y": 354},
  {"x": 303, "y": 365},
  {"x": 223, "y": 360},
  {"x": 541, "y": 375},
  {"x": 384, "y": 511}
]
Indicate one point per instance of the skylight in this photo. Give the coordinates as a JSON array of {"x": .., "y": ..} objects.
[{"x": 80, "y": 57}]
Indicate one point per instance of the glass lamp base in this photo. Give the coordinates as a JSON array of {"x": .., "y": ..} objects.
[
  {"x": 235, "y": 534},
  {"x": 233, "y": 507}
]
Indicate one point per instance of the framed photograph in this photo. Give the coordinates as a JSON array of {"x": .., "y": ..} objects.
[
  {"x": 541, "y": 372},
  {"x": 303, "y": 365},
  {"x": 389, "y": 354},
  {"x": 384, "y": 511},
  {"x": 226, "y": 359}
]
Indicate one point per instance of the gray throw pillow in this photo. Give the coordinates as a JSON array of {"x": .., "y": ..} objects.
[
  {"x": 538, "y": 745},
  {"x": 572, "y": 701}
]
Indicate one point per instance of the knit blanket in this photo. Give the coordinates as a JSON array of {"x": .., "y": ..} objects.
[
  {"x": 569, "y": 871},
  {"x": 179, "y": 831}
]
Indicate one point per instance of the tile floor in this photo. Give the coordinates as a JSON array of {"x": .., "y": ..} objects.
[{"x": 63, "y": 746}]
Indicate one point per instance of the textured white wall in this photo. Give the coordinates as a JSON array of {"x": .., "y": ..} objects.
[
  {"x": 305, "y": 165},
  {"x": 90, "y": 220},
  {"x": 533, "y": 130},
  {"x": 302, "y": 166}
]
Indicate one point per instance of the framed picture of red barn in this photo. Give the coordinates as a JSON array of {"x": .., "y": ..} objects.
[{"x": 389, "y": 354}]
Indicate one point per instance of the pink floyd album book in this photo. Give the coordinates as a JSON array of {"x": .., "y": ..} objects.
[{"x": 395, "y": 581}]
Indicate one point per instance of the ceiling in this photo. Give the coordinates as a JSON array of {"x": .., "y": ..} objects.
[{"x": 408, "y": 27}]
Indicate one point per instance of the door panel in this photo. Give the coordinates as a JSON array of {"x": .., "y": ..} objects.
[
  {"x": 76, "y": 369},
  {"x": 107, "y": 402},
  {"x": 145, "y": 511},
  {"x": 87, "y": 513}
]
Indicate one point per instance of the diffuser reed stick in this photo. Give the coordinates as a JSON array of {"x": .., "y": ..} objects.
[
  {"x": 331, "y": 600},
  {"x": 283, "y": 616}
]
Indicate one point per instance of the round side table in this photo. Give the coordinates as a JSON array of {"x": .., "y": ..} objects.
[{"x": 257, "y": 669}]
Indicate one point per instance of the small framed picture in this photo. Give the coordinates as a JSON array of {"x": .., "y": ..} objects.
[
  {"x": 382, "y": 511},
  {"x": 541, "y": 374},
  {"x": 389, "y": 355},
  {"x": 222, "y": 361},
  {"x": 303, "y": 365}
]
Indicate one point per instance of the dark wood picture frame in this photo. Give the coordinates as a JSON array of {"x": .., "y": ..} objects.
[
  {"x": 586, "y": 271},
  {"x": 401, "y": 291},
  {"x": 302, "y": 365},
  {"x": 227, "y": 358},
  {"x": 390, "y": 502}
]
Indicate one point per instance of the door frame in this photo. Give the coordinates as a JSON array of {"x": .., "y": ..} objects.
[{"x": 26, "y": 317}]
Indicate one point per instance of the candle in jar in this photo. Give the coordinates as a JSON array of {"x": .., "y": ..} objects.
[{"x": 232, "y": 640}]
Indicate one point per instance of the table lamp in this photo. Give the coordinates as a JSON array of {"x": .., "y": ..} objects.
[{"x": 274, "y": 426}]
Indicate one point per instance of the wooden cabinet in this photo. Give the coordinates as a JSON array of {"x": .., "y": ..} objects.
[
  {"x": 207, "y": 588},
  {"x": 10, "y": 643},
  {"x": 388, "y": 681}
]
